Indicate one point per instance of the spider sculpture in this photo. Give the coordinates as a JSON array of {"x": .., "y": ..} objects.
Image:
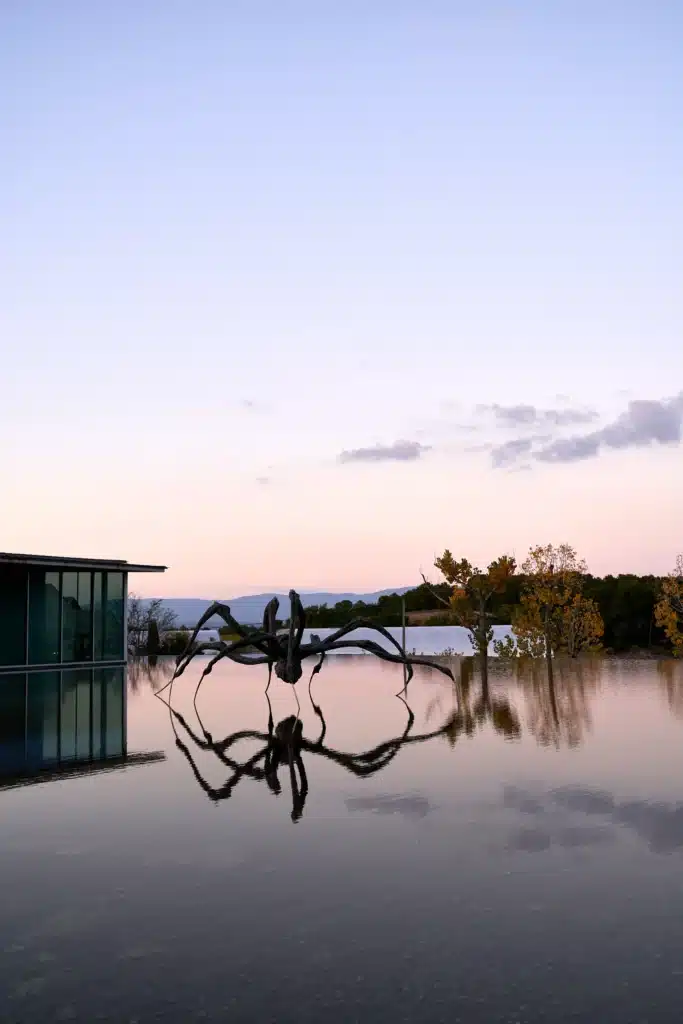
[
  {"x": 285, "y": 744},
  {"x": 286, "y": 651}
]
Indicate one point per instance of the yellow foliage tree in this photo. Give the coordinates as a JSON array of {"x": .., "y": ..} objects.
[
  {"x": 553, "y": 616},
  {"x": 581, "y": 626},
  {"x": 669, "y": 608},
  {"x": 471, "y": 598}
]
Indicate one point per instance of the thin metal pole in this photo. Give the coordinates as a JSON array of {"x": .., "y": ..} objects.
[
  {"x": 27, "y": 625},
  {"x": 403, "y": 640},
  {"x": 125, "y": 615}
]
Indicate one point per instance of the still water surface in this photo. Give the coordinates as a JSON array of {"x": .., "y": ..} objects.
[{"x": 512, "y": 857}]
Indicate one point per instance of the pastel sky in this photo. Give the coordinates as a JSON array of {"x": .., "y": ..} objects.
[{"x": 300, "y": 293}]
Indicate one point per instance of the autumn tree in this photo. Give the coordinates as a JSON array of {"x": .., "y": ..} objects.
[
  {"x": 553, "y": 616},
  {"x": 669, "y": 608},
  {"x": 470, "y": 601},
  {"x": 581, "y": 626}
]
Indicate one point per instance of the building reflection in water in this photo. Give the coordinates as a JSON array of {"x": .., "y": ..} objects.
[{"x": 61, "y": 722}]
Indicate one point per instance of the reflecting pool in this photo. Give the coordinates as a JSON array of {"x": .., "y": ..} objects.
[{"x": 441, "y": 855}]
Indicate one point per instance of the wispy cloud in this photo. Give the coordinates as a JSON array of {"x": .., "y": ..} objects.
[
  {"x": 644, "y": 422},
  {"x": 531, "y": 416},
  {"x": 508, "y": 453},
  {"x": 399, "y": 451},
  {"x": 252, "y": 405}
]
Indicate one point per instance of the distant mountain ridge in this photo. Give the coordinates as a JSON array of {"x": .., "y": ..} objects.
[{"x": 249, "y": 609}]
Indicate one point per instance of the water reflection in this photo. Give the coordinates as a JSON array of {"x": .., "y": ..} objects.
[
  {"x": 433, "y": 832},
  {"x": 558, "y": 707},
  {"x": 62, "y": 722},
  {"x": 283, "y": 746},
  {"x": 152, "y": 672},
  {"x": 558, "y": 811},
  {"x": 517, "y": 701},
  {"x": 671, "y": 676},
  {"x": 485, "y": 706}
]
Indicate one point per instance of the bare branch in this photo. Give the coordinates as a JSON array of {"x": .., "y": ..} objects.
[{"x": 433, "y": 592}]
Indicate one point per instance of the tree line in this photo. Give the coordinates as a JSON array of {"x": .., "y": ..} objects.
[
  {"x": 553, "y": 603},
  {"x": 636, "y": 612}
]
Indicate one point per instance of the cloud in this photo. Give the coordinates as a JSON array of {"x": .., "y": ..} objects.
[
  {"x": 644, "y": 422},
  {"x": 508, "y": 453},
  {"x": 252, "y": 405},
  {"x": 571, "y": 449},
  {"x": 263, "y": 480},
  {"x": 399, "y": 451},
  {"x": 531, "y": 416}
]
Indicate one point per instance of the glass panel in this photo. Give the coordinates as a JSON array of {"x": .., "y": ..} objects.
[
  {"x": 83, "y": 743},
  {"x": 113, "y": 700},
  {"x": 98, "y": 616},
  {"x": 85, "y": 620},
  {"x": 98, "y": 723},
  {"x": 13, "y": 584},
  {"x": 42, "y": 717},
  {"x": 76, "y": 617},
  {"x": 69, "y": 614},
  {"x": 12, "y": 722},
  {"x": 43, "y": 617},
  {"x": 67, "y": 730},
  {"x": 113, "y": 624}
]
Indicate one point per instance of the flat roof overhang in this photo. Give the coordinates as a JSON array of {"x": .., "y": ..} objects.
[{"x": 68, "y": 562}]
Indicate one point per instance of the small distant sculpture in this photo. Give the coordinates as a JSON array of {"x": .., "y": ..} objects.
[{"x": 285, "y": 651}]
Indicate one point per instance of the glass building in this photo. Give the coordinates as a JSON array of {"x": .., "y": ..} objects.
[
  {"x": 63, "y": 651},
  {"x": 63, "y": 722},
  {"x": 63, "y": 611}
]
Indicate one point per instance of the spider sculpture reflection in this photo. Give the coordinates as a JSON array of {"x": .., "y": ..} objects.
[
  {"x": 285, "y": 744},
  {"x": 286, "y": 651}
]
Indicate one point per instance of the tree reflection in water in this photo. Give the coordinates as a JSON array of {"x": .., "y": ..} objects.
[
  {"x": 151, "y": 671},
  {"x": 283, "y": 745},
  {"x": 558, "y": 713},
  {"x": 558, "y": 708},
  {"x": 487, "y": 707},
  {"x": 670, "y": 674}
]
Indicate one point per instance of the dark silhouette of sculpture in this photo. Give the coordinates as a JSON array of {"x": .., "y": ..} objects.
[
  {"x": 286, "y": 651},
  {"x": 153, "y": 639},
  {"x": 285, "y": 745}
]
